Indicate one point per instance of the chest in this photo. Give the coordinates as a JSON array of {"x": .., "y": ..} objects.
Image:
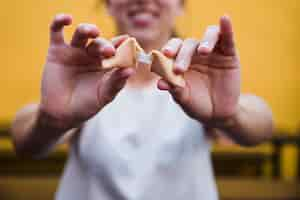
[{"x": 140, "y": 130}]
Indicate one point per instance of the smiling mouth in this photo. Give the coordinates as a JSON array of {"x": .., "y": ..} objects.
[
  {"x": 142, "y": 17},
  {"x": 135, "y": 12}
]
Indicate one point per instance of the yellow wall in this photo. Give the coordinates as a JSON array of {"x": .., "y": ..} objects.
[{"x": 265, "y": 31}]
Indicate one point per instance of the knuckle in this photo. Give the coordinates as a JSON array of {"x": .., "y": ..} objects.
[
  {"x": 56, "y": 22},
  {"x": 59, "y": 21},
  {"x": 173, "y": 44},
  {"x": 58, "y": 17},
  {"x": 82, "y": 29},
  {"x": 93, "y": 50},
  {"x": 107, "y": 44},
  {"x": 204, "y": 43},
  {"x": 92, "y": 25},
  {"x": 98, "y": 40},
  {"x": 101, "y": 41},
  {"x": 176, "y": 40},
  {"x": 188, "y": 46},
  {"x": 167, "y": 48},
  {"x": 191, "y": 41},
  {"x": 213, "y": 29},
  {"x": 102, "y": 44}
]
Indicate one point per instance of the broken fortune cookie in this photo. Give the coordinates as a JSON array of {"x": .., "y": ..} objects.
[
  {"x": 128, "y": 53},
  {"x": 125, "y": 56},
  {"x": 163, "y": 66}
]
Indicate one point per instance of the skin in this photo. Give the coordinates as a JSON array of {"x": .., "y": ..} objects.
[
  {"x": 151, "y": 36},
  {"x": 74, "y": 89},
  {"x": 212, "y": 73},
  {"x": 156, "y": 29}
]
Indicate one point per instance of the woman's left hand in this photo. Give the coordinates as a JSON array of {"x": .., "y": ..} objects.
[{"x": 212, "y": 72}]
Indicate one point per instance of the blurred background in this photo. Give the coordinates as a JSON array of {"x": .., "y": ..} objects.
[{"x": 267, "y": 35}]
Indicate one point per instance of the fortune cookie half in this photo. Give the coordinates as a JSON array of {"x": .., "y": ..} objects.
[
  {"x": 125, "y": 56},
  {"x": 163, "y": 66}
]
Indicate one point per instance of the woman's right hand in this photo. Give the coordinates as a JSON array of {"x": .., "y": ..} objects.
[{"x": 73, "y": 88}]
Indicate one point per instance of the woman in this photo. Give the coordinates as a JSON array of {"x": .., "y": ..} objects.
[{"x": 144, "y": 143}]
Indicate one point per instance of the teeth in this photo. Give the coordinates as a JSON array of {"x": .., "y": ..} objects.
[
  {"x": 141, "y": 12},
  {"x": 146, "y": 14}
]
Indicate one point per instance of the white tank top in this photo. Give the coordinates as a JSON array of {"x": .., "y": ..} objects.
[{"x": 142, "y": 146}]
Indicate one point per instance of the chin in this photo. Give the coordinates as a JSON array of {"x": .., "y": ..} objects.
[{"x": 144, "y": 36}]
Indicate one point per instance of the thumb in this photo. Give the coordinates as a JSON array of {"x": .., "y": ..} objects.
[
  {"x": 57, "y": 26},
  {"x": 112, "y": 83},
  {"x": 179, "y": 94}
]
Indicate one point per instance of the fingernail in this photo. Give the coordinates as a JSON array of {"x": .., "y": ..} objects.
[
  {"x": 180, "y": 66},
  {"x": 168, "y": 51},
  {"x": 204, "y": 48},
  {"x": 106, "y": 48},
  {"x": 107, "y": 51},
  {"x": 204, "y": 44}
]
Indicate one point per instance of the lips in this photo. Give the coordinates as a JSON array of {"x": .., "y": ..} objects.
[{"x": 142, "y": 17}]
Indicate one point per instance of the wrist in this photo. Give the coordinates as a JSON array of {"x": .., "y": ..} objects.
[
  {"x": 226, "y": 123},
  {"x": 45, "y": 119}
]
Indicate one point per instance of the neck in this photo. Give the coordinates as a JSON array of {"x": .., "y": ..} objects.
[{"x": 143, "y": 78}]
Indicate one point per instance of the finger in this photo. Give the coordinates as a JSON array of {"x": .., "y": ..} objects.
[
  {"x": 113, "y": 83},
  {"x": 172, "y": 47},
  {"x": 163, "y": 85},
  {"x": 209, "y": 40},
  {"x": 184, "y": 57},
  {"x": 226, "y": 36},
  {"x": 83, "y": 33},
  {"x": 179, "y": 94},
  {"x": 100, "y": 48},
  {"x": 56, "y": 28},
  {"x": 117, "y": 41}
]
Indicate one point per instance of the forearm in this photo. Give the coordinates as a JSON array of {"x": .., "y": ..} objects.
[
  {"x": 252, "y": 124},
  {"x": 34, "y": 132}
]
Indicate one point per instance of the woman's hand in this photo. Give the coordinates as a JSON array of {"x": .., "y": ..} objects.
[
  {"x": 212, "y": 74},
  {"x": 73, "y": 87}
]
